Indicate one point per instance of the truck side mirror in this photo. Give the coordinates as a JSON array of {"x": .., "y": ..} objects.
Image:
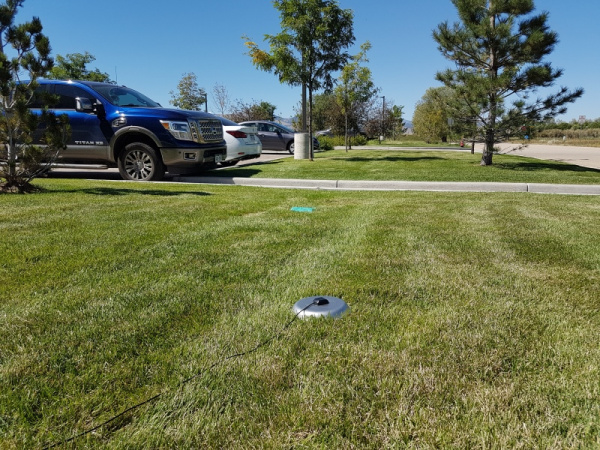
[
  {"x": 83, "y": 105},
  {"x": 99, "y": 109}
]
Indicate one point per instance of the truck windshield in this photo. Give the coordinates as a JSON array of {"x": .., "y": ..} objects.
[{"x": 123, "y": 96}]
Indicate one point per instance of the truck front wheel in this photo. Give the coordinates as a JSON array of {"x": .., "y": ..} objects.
[{"x": 140, "y": 162}]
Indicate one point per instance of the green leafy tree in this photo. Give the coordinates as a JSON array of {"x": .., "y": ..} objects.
[
  {"x": 326, "y": 114},
  {"x": 499, "y": 48},
  {"x": 429, "y": 122},
  {"x": 385, "y": 119},
  {"x": 188, "y": 95},
  {"x": 433, "y": 117},
  {"x": 252, "y": 111},
  {"x": 73, "y": 67},
  {"x": 24, "y": 51},
  {"x": 309, "y": 49},
  {"x": 394, "y": 122},
  {"x": 355, "y": 87}
]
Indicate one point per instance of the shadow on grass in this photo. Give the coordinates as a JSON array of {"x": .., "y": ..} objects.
[
  {"x": 388, "y": 158},
  {"x": 538, "y": 166},
  {"x": 120, "y": 191},
  {"x": 239, "y": 171},
  {"x": 246, "y": 172}
]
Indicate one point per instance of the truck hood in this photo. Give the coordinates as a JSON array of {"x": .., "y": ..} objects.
[{"x": 164, "y": 113}]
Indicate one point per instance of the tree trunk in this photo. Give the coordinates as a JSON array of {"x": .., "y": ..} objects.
[
  {"x": 310, "y": 122},
  {"x": 303, "y": 107},
  {"x": 303, "y": 100},
  {"x": 488, "y": 148},
  {"x": 346, "y": 132},
  {"x": 11, "y": 159}
]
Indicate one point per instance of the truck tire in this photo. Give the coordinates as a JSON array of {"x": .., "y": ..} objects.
[{"x": 140, "y": 162}]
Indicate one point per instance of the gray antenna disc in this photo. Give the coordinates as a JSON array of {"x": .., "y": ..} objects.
[{"x": 336, "y": 307}]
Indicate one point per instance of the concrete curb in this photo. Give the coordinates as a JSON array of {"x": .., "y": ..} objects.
[
  {"x": 569, "y": 189},
  {"x": 431, "y": 186},
  {"x": 354, "y": 185}
]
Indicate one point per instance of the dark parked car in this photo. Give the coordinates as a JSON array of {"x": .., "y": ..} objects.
[{"x": 275, "y": 136}]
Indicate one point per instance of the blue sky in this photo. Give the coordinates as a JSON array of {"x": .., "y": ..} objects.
[{"x": 148, "y": 45}]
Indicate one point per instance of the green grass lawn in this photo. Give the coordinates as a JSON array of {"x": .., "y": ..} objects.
[
  {"x": 474, "y": 323},
  {"x": 418, "y": 166}
]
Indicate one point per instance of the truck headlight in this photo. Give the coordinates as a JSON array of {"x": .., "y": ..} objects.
[{"x": 179, "y": 130}]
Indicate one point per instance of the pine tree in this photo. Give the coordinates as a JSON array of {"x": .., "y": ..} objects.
[
  {"x": 24, "y": 50},
  {"x": 499, "y": 48}
]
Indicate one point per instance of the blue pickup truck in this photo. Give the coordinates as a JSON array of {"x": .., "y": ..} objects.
[{"x": 116, "y": 126}]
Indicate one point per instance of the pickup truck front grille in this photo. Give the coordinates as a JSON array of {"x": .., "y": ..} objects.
[{"x": 207, "y": 130}]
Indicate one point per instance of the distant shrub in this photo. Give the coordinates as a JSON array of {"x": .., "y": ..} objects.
[
  {"x": 360, "y": 140},
  {"x": 329, "y": 142},
  {"x": 326, "y": 142},
  {"x": 339, "y": 140}
]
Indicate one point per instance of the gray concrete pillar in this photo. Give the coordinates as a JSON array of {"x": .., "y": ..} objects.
[{"x": 301, "y": 146}]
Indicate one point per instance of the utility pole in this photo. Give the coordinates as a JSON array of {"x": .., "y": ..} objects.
[
  {"x": 381, "y": 136},
  {"x": 205, "y": 96},
  {"x": 303, "y": 124},
  {"x": 303, "y": 119}
]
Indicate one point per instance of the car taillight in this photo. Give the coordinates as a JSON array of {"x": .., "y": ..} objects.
[{"x": 238, "y": 134}]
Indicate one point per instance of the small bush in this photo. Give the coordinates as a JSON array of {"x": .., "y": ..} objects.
[
  {"x": 359, "y": 140},
  {"x": 329, "y": 142},
  {"x": 325, "y": 142}
]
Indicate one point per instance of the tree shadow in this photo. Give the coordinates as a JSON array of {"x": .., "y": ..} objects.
[
  {"x": 86, "y": 174},
  {"x": 237, "y": 171},
  {"x": 537, "y": 166},
  {"x": 240, "y": 173},
  {"x": 388, "y": 158},
  {"x": 244, "y": 171},
  {"x": 107, "y": 191}
]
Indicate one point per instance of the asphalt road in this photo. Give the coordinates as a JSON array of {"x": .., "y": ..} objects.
[{"x": 580, "y": 156}]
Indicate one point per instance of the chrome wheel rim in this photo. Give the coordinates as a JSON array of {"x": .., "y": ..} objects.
[{"x": 138, "y": 165}]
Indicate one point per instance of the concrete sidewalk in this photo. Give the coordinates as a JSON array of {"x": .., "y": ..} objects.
[{"x": 441, "y": 186}]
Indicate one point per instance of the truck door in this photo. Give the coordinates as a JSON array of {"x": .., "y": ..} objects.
[{"x": 87, "y": 141}]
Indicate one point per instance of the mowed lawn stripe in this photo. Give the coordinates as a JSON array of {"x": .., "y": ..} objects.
[{"x": 474, "y": 317}]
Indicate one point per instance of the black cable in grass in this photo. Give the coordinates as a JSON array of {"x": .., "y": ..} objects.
[{"x": 187, "y": 380}]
